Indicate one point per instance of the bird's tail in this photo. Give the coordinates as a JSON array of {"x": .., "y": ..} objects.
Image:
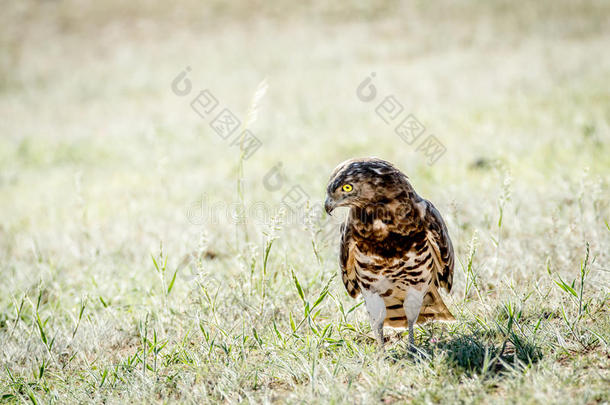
[{"x": 433, "y": 308}]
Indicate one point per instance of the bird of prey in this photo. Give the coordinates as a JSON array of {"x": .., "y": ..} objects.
[{"x": 395, "y": 248}]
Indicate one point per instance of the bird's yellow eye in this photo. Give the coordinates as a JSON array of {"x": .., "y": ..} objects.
[{"x": 347, "y": 188}]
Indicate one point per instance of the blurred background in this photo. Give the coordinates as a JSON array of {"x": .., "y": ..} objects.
[
  {"x": 89, "y": 117},
  {"x": 102, "y": 161}
]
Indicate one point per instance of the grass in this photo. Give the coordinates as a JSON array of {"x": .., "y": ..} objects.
[{"x": 119, "y": 286}]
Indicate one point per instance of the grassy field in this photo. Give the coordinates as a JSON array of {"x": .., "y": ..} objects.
[{"x": 144, "y": 258}]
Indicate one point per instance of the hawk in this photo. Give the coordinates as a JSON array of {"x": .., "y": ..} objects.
[{"x": 395, "y": 248}]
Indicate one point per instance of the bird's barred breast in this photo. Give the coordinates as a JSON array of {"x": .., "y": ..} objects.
[{"x": 392, "y": 277}]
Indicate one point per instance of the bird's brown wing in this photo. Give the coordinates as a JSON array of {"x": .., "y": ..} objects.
[
  {"x": 346, "y": 261},
  {"x": 433, "y": 306},
  {"x": 438, "y": 237}
]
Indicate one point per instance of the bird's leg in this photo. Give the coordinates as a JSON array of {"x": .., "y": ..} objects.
[
  {"x": 376, "y": 309},
  {"x": 412, "y": 305},
  {"x": 411, "y": 335},
  {"x": 379, "y": 333}
]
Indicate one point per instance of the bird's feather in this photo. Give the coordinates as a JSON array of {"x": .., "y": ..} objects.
[{"x": 348, "y": 271}]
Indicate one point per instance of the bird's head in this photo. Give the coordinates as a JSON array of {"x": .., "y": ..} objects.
[{"x": 362, "y": 182}]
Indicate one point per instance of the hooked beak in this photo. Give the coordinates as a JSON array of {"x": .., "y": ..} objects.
[{"x": 329, "y": 205}]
